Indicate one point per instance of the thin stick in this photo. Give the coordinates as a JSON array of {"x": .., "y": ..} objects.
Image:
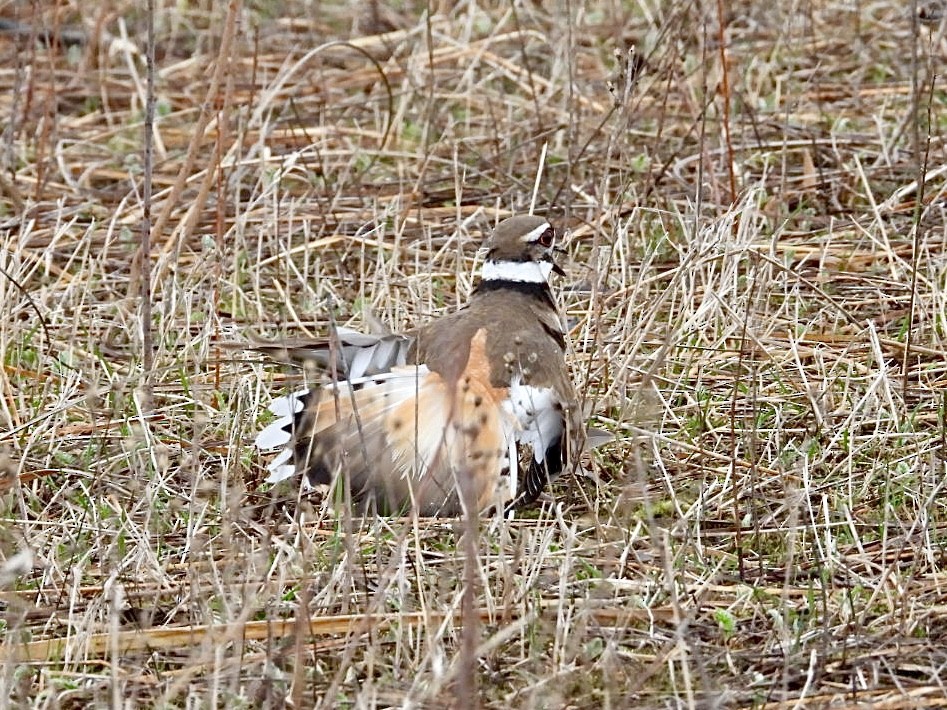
[
  {"x": 144, "y": 252},
  {"x": 921, "y": 157},
  {"x": 221, "y": 66},
  {"x": 725, "y": 90},
  {"x": 539, "y": 174}
]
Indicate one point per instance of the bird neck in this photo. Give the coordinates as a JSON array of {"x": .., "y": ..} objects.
[{"x": 525, "y": 277}]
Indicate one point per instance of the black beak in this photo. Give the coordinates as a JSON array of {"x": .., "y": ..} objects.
[{"x": 556, "y": 269}]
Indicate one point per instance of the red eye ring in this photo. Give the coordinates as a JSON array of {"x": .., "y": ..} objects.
[{"x": 547, "y": 237}]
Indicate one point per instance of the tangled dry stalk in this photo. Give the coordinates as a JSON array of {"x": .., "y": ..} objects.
[{"x": 754, "y": 197}]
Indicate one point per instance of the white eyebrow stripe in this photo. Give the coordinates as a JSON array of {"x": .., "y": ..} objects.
[{"x": 535, "y": 234}]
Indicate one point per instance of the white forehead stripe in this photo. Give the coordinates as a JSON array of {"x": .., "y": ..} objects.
[
  {"x": 535, "y": 234},
  {"x": 534, "y": 272}
]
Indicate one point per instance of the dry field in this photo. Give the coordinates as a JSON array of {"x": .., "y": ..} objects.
[{"x": 753, "y": 199}]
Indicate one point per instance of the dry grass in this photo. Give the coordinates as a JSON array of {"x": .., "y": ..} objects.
[{"x": 757, "y": 290}]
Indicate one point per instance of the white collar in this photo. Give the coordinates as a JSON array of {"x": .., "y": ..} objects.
[{"x": 534, "y": 272}]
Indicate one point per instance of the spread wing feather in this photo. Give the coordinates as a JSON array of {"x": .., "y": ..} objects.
[{"x": 404, "y": 436}]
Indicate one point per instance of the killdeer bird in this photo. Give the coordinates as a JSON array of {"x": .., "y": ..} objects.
[{"x": 430, "y": 421}]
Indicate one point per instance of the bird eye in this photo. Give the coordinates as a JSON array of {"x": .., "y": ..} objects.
[{"x": 547, "y": 237}]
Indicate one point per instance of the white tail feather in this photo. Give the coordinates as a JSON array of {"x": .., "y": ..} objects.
[
  {"x": 274, "y": 435},
  {"x": 289, "y": 404},
  {"x": 279, "y": 469}
]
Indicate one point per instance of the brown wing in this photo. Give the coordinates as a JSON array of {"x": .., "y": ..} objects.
[{"x": 410, "y": 439}]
